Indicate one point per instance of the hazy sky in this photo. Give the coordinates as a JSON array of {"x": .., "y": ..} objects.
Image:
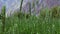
[{"x": 10, "y": 4}]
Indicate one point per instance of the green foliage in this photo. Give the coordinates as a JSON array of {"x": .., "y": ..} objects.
[
  {"x": 44, "y": 24},
  {"x": 21, "y": 15},
  {"x": 2, "y": 16},
  {"x": 55, "y": 12},
  {"x": 3, "y": 10}
]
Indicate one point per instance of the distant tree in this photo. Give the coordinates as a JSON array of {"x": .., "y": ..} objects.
[
  {"x": 55, "y": 11},
  {"x": 29, "y": 7},
  {"x": 21, "y": 5},
  {"x": 3, "y": 17},
  {"x": 0, "y": 16},
  {"x": 20, "y": 9}
]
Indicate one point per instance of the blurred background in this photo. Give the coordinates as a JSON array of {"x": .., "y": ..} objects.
[
  {"x": 29, "y": 16},
  {"x": 14, "y": 5}
]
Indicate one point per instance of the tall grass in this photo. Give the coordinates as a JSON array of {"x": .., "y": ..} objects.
[
  {"x": 45, "y": 23},
  {"x": 2, "y": 16},
  {"x": 48, "y": 22}
]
